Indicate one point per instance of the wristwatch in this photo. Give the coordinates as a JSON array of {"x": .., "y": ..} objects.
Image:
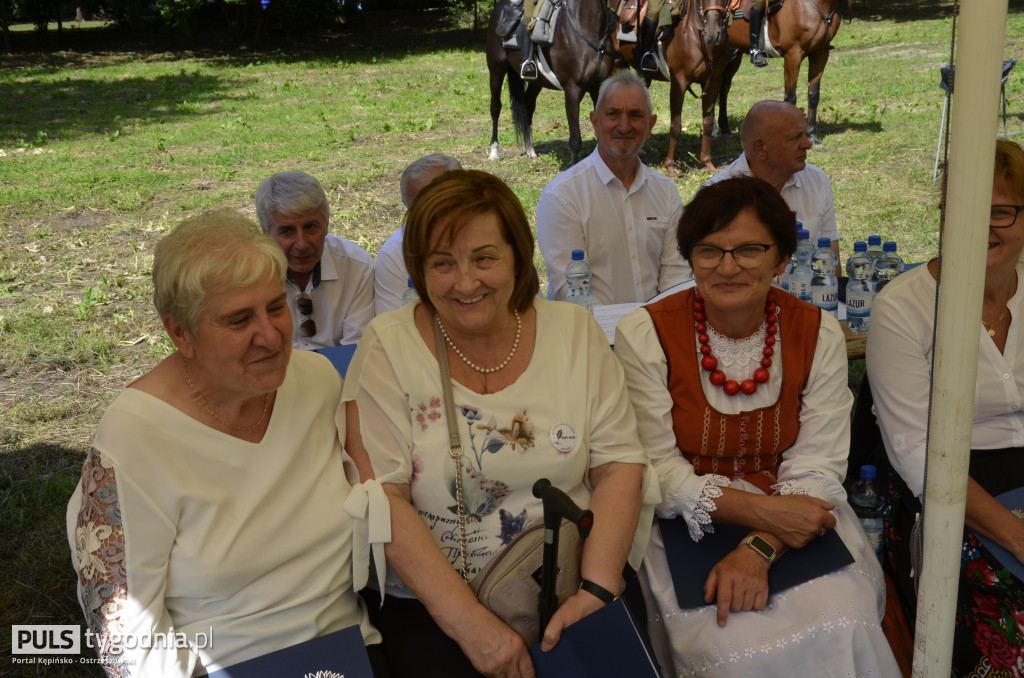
[{"x": 761, "y": 547}]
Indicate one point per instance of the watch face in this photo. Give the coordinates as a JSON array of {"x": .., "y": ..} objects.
[{"x": 762, "y": 547}]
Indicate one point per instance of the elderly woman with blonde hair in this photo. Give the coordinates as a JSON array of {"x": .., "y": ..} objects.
[{"x": 210, "y": 505}]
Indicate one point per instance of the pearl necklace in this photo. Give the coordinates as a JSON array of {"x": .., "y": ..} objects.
[
  {"x": 206, "y": 405},
  {"x": 710, "y": 362},
  {"x": 483, "y": 370}
]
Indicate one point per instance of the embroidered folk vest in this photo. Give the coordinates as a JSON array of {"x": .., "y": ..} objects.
[{"x": 747, "y": 445}]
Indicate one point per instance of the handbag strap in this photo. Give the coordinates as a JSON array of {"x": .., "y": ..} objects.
[{"x": 454, "y": 440}]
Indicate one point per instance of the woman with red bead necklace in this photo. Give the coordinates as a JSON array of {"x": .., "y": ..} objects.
[{"x": 742, "y": 405}]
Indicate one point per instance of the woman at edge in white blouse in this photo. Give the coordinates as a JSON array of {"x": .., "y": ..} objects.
[
  {"x": 208, "y": 527},
  {"x": 899, "y": 356}
]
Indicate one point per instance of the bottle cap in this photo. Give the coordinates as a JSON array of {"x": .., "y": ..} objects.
[
  {"x": 874, "y": 240},
  {"x": 889, "y": 246},
  {"x": 867, "y": 471},
  {"x": 860, "y": 246},
  {"x": 802, "y": 233},
  {"x": 825, "y": 242},
  {"x": 577, "y": 255}
]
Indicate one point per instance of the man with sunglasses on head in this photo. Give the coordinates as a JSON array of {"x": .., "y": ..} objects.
[{"x": 330, "y": 279}]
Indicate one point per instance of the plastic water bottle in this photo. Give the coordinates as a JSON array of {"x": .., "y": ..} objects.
[
  {"x": 874, "y": 248},
  {"x": 824, "y": 284},
  {"x": 410, "y": 294},
  {"x": 888, "y": 266},
  {"x": 578, "y": 275},
  {"x": 868, "y": 502},
  {"x": 787, "y": 275},
  {"x": 799, "y": 277},
  {"x": 860, "y": 290}
]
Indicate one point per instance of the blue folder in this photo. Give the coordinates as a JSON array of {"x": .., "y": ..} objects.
[
  {"x": 605, "y": 644},
  {"x": 690, "y": 562},
  {"x": 340, "y": 653},
  {"x": 340, "y": 356},
  {"x": 1014, "y": 499}
]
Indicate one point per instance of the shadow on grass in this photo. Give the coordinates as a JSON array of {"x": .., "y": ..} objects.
[
  {"x": 37, "y": 583},
  {"x": 80, "y": 105}
]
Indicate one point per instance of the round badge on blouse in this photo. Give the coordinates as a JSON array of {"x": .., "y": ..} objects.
[{"x": 563, "y": 438}]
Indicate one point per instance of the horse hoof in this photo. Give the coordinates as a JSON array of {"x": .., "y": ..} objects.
[{"x": 531, "y": 154}]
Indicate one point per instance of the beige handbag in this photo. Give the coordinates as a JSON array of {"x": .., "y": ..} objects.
[{"x": 509, "y": 585}]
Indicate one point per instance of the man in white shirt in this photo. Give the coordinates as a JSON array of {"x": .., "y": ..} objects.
[
  {"x": 775, "y": 145},
  {"x": 621, "y": 213},
  {"x": 390, "y": 278},
  {"x": 330, "y": 279}
]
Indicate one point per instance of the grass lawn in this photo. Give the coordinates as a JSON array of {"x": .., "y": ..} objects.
[{"x": 106, "y": 143}]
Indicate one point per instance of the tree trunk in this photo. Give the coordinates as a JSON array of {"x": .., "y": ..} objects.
[
  {"x": 79, "y": 16},
  {"x": 5, "y": 25}
]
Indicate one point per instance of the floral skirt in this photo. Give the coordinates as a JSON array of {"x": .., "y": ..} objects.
[
  {"x": 988, "y": 639},
  {"x": 989, "y": 635}
]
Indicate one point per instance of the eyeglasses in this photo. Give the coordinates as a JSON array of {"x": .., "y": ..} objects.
[
  {"x": 745, "y": 256},
  {"x": 304, "y": 303},
  {"x": 1004, "y": 215}
]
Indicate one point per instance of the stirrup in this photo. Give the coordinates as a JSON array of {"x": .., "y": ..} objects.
[
  {"x": 649, "y": 63},
  {"x": 528, "y": 70},
  {"x": 758, "y": 58}
]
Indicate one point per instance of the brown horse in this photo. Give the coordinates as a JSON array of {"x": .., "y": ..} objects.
[
  {"x": 581, "y": 56},
  {"x": 798, "y": 29},
  {"x": 691, "y": 60}
]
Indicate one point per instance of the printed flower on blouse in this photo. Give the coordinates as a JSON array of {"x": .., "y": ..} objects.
[
  {"x": 511, "y": 526},
  {"x": 519, "y": 433},
  {"x": 427, "y": 414},
  {"x": 481, "y": 496}
]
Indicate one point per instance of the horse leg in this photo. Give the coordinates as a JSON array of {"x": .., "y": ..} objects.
[
  {"x": 497, "y": 81},
  {"x": 711, "y": 93},
  {"x": 677, "y": 92},
  {"x": 573, "y": 94},
  {"x": 532, "y": 92},
  {"x": 815, "y": 69},
  {"x": 793, "y": 57},
  {"x": 735, "y": 61}
]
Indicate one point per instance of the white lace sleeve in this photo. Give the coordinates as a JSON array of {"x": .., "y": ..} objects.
[
  {"x": 117, "y": 616},
  {"x": 684, "y": 493}
]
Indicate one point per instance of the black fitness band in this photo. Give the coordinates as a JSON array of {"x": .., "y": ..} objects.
[{"x": 598, "y": 591}]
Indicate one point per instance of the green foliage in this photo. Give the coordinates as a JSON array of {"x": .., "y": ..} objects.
[{"x": 179, "y": 13}]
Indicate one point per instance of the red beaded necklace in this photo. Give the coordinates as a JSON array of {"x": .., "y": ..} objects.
[{"x": 710, "y": 362}]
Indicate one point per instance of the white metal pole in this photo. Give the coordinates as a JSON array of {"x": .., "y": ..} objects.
[{"x": 973, "y": 124}]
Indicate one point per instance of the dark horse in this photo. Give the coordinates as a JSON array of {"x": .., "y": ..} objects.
[
  {"x": 691, "y": 60},
  {"x": 581, "y": 56},
  {"x": 799, "y": 29}
]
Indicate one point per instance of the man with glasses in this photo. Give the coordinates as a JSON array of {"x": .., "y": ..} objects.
[
  {"x": 775, "y": 145},
  {"x": 621, "y": 213},
  {"x": 330, "y": 279}
]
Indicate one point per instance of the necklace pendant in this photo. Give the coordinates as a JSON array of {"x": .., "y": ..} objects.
[{"x": 991, "y": 333}]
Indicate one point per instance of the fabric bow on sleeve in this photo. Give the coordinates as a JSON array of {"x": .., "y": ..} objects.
[{"x": 368, "y": 505}]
